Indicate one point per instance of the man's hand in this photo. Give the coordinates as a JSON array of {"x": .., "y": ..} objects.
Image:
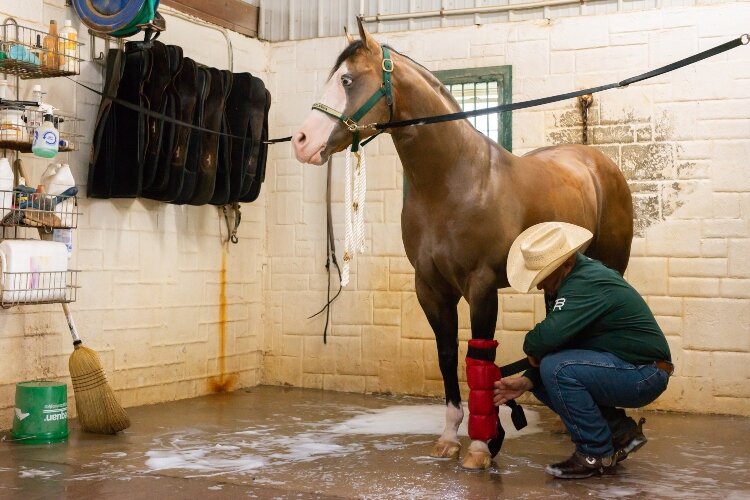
[
  {"x": 510, "y": 388},
  {"x": 533, "y": 361}
]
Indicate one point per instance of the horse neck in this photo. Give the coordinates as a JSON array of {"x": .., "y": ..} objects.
[{"x": 434, "y": 154}]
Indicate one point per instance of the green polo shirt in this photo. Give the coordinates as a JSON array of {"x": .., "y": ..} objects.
[{"x": 596, "y": 309}]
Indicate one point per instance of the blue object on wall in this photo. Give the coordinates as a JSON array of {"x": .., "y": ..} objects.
[{"x": 115, "y": 17}]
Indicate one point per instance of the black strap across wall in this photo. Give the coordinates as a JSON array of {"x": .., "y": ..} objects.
[{"x": 741, "y": 40}]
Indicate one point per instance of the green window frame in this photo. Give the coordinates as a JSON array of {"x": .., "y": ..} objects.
[{"x": 493, "y": 85}]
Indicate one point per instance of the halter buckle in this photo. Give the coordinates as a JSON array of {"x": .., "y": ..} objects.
[
  {"x": 350, "y": 124},
  {"x": 387, "y": 65}
]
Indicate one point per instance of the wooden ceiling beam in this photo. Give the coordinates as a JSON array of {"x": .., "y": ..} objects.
[{"x": 234, "y": 15}]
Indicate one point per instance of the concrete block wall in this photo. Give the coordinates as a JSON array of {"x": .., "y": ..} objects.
[
  {"x": 681, "y": 139},
  {"x": 172, "y": 312}
]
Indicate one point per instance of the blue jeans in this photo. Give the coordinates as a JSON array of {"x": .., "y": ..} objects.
[{"x": 578, "y": 384}]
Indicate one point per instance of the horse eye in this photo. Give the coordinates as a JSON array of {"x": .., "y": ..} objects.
[{"x": 346, "y": 80}]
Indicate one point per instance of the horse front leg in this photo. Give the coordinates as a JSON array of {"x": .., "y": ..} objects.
[
  {"x": 442, "y": 315},
  {"x": 481, "y": 373}
]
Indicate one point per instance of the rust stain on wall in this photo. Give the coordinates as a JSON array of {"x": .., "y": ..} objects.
[{"x": 223, "y": 382}]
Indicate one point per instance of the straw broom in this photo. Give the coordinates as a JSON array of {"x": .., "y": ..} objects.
[{"x": 98, "y": 410}]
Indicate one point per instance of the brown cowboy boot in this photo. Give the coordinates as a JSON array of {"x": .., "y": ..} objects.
[
  {"x": 630, "y": 442},
  {"x": 580, "y": 466}
]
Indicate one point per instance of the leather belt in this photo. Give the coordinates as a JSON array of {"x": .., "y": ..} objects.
[{"x": 665, "y": 366}]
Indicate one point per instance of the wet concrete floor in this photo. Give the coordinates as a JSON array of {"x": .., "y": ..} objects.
[{"x": 275, "y": 442}]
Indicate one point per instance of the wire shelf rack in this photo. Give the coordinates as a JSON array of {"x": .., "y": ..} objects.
[
  {"x": 45, "y": 287},
  {"x": 18, "y": 122},
  {"x": 21, "y": 209},
  {"x": 31, "y": 53}
]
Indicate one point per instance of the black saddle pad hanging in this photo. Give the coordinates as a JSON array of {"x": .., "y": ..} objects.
[
  {"x": 221, "y": 195},
  {"x": 260, "y": 169},
  {"x": 209, "y": 142},
  {"x": 139, "y": 154},
  {"x": 120, "y": 138},
  {"x": 155, "y": 89}
]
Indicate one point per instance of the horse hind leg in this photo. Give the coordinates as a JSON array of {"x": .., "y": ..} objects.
[{"x": 442, "y": 315}]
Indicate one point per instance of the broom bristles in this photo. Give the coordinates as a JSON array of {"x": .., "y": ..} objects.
[{"x": 98, "y": 410}]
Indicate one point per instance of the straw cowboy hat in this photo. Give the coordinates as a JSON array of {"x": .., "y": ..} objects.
[{"x": 540, "y": 249}]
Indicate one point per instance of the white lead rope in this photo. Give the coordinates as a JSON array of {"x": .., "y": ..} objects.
[{"x": 355, "y": 190}]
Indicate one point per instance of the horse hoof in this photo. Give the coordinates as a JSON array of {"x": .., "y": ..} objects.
[
  {"x": 476, "y": 461},
  {"x": 446, "y": 449}
]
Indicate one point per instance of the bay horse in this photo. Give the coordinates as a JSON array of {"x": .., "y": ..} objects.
[{"x": 467, "y": 200}]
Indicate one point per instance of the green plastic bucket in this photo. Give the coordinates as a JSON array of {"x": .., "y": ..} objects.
[{"x": 41, "y": 413}]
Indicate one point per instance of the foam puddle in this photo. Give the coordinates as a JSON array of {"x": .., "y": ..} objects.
[
  {"x": 238, "y": 453},
  {"x": 424, "y": 419},
  {"x": 215, "y": 454},
  {"x": 37, "y": 473}
]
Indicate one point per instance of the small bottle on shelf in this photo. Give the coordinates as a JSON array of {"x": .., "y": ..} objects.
[
  {"x": 67, "y": 48},
  {"x": 50, "y": 56},
  {"x": 37, "y": 94}
]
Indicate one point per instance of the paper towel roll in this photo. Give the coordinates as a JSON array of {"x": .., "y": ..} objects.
[{"x": 33, "y": 271}]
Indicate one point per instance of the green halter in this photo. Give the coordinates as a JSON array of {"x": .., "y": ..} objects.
[{"x": 385, "y": 90}]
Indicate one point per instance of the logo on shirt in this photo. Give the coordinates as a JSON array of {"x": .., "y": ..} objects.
[{"x": 559, "y": 303}]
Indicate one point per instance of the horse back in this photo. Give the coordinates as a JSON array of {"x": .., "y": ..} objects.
[{"x": 579, "y": 184}]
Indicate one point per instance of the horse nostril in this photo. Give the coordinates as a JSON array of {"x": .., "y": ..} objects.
[{"x": 300, "y": 138}]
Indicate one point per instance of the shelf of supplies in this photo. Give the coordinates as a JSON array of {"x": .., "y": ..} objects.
[
  {"x": 47, "y": 287},
  {"x": 18, "y": 122},
  {"x": 37, "y": 210},
  {"x": 23, "y": 53}
]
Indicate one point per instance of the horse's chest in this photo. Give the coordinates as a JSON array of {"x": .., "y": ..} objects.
[{"x": 440, "y": 250}]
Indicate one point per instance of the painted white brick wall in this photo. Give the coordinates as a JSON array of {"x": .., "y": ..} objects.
[
  {"x": 683, "y": 138},
  {"x": 150, "y": 292},
  {"x": 150, "y": 298}
]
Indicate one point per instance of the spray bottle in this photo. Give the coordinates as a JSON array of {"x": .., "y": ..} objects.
[{"x": 46, "y": 138}]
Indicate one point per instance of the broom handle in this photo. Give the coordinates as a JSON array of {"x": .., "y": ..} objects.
[{"x": 71, "y": 324}]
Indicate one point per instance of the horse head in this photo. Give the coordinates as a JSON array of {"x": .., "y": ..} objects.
[{"x": 349, "y": 99}]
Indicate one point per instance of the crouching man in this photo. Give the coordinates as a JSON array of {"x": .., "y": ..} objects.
[{"x": 598, "y": 349}]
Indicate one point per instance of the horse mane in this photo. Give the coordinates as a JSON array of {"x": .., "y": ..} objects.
[{"x": 436, "y": 84}]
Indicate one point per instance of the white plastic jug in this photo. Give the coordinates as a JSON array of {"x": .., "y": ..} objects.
[
  {"x": 46, "y": 180},
  {"x": 6, "y": 187},
  {"x": 46, "y": 139},
  {"x": 60, "y": 179}
]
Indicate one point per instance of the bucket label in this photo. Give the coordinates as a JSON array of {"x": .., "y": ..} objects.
[
  {"x": 20, "y": 415},
  {"x": 55, "y": 412}
]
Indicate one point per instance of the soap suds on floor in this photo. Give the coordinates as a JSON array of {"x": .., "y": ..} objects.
[
  {"x": 424, "y": 419},
  {"x": 240, "y": 452}
]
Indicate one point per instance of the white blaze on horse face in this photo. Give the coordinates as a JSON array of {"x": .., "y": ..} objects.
[{"x": 311, "y": 138}]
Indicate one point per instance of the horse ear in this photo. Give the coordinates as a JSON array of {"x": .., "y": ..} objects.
[
  {"x": 349, "y": 37},
  {"x": 367, "y": 40}
]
